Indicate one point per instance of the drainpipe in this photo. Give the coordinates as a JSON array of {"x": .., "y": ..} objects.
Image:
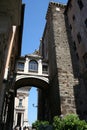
[{"x": 9, "y": 53}]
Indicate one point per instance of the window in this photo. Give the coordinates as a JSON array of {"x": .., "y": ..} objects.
[
  {"x": 74, "y": 45},
  {"x": 73, "y": 17},
  {"x": 33, "y": 65},
  {"x": 20, "y": 102},
  {"x": 19, "y": 119},
  {"x": 80, "y": 4},
  {"x": 85, "y": 59},
  {"x": 70, "y": 27},
  {"x": 20, "y": 66},
  {"x": 79, "y": 37},
  {"x": 86, "y": 23},
  {"x": 45, "y": 69},
  {"x": 77, "y": 56}
]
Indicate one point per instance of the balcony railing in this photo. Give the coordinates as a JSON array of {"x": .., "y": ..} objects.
[
  {"x": 45, "y": 72},
  {"x": 20, "y": 107}
]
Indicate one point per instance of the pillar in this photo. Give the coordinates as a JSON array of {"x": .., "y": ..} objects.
[
  {"x": 26, "y": 66},
  {"x": 16, "y": 119},
  {"x": 40, "y": 67},
  {"x": 22, "y": 119}
]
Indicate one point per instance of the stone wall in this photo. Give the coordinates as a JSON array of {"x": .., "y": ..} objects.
[
  {"x": 60, "y": 64},
  {"x": 67, "y": 92}
]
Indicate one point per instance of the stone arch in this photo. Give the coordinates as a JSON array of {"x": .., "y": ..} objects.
[{"x": 39, "y": 82}]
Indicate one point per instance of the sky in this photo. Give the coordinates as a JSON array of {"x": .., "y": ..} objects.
[{"x": 34, "y": 23}]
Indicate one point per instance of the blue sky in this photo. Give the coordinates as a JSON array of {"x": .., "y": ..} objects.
[{"x": 34, "y": 23}]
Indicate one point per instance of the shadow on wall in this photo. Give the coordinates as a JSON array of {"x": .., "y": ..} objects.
[{"x": 53, "y": 91}]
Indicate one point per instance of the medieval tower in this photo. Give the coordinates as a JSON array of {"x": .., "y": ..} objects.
[{"x": 67, "y": 93}]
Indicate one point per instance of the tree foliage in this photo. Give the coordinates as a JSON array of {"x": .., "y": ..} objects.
[
  {"x": 69, "y": 122},
  {"x": 37, "y": 124}
]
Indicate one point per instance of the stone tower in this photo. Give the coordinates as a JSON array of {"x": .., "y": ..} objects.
[{"x": 65, "y": 82}]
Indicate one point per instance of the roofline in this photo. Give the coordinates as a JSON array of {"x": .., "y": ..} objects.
[
  {"x": 56, "y": 4},
  {"x": 67, "y": 6},
  {"x": 48, "y": 10}
]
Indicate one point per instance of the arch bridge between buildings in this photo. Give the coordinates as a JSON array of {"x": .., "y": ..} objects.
[
  {"x": 31, "y": 80},
  {"x": 31, "y": 71}
]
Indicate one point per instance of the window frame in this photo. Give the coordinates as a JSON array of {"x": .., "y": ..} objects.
[
  {"x": 20, "y": 102},
  {"x": 20, "y": 66},
  {"x": 33, "y": 66},
  {"x": 45, "y": 68}
]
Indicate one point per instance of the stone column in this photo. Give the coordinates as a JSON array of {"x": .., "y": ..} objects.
[
  {"x": 40, "y": 67},
  {"x": 22, "y": 119},
  {"x": 16, "y": 119},
  {"x": 26, "y": 66}
]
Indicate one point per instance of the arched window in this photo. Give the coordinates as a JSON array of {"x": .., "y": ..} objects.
[{"x": 33, "y": 66}]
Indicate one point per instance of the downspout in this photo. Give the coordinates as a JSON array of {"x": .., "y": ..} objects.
[{"x": 9, "y": 53}]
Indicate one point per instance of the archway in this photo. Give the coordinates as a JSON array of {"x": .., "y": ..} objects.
[
  {"x": 42, "y": 85},
  {"x": 39, "y": 82}
]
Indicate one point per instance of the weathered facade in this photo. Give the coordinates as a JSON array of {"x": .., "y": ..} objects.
[
  {"x": 21, "y": 108},
  {"x": 77, "y": 20},
  {"x": 67, "y": 92},
  {"x": 11, "y": 23},
  {"x": 63, "y": 47},
  {"x": 78, "y": 24}
]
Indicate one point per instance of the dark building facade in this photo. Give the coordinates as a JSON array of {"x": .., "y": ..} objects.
[
  {"x": 67, "y": 92},
  {"x": 11, "y": 26}
]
